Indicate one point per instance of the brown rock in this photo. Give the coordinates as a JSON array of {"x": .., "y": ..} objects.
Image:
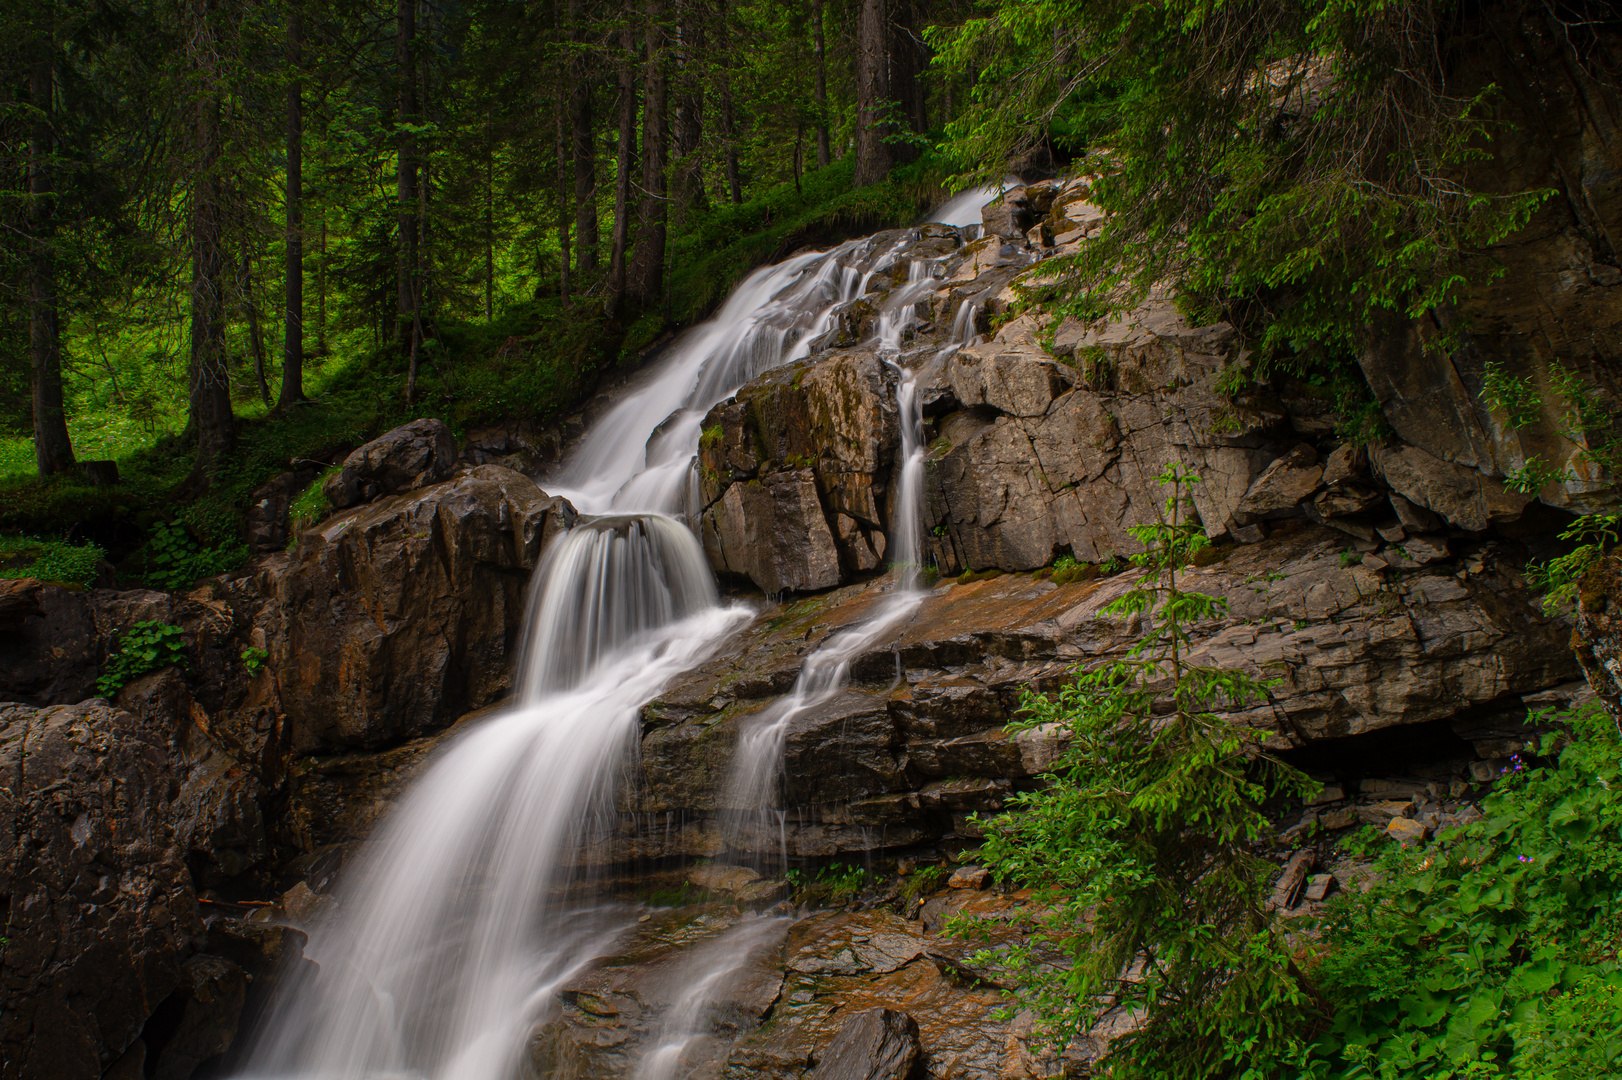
[
  {"x": 19, "y": 600},
  {"x": 214, "y": 990},
  {"x": 773, "y": 531},
  {"x": 412, "y": 455},
  {"x": 1407, "y": 829},
  {"x": 1282, "y": 484},
  {"x": 969, "y": 877},
  {"x": 400, "y": 616},
  {"x": 879, "y": 1044},
  {"x": 266, "y": 517},
  {"x": 1459, "y": 495},
  {"x": 1288, "y": 889},
  {"x": 102, "y": 914}
]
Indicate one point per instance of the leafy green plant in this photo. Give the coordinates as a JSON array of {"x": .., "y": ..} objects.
[
  {"x": 1139, "y": 849},
  {"x": 310, "y": 505},
  {"x": 1594, "y": 535},
  {"x": 1239, "y": 166},
  {"x": 51, "y": 560},
  {"x": 172, "y": 560},
  {"x": 1492, "y": 951},
  {"x": 253, "y": 659},
  {"x": 925, "y": 879},
  {"x": 1517, "y": 398},
  {"x": 842, "y": 882},
  {"x": 146, "y": 646}
]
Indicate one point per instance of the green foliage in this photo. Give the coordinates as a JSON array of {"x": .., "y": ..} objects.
[
  {"x": 49, "y": 560},
  {"x": 1516, "y": 398},
  {"x": 171, "y": 559},
  {"x": 1140, "y": 847},
  {"x": 1295, "y": 167},
  {"x": 253, "y": 659},
  {"x": 925, "y": 879},
  {"x": 712, "y": 256},
  {"x": 1491, "y": 952},
  {"x": 146, "y": 646},
  {"x": 1593, "y": 536},
  {"x": 836, "y": 883},
  {"x": 309, "y": 506}
]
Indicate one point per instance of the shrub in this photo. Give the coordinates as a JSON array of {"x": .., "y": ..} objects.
[
  {"x": 1493, "y": 951},
  {"x": 1139, "y": 850},
  {"x": 146, "y": 646},
  {"x": 171, "y": 560}
]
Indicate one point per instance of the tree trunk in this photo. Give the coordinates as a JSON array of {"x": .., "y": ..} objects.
[
  {"x": 624, "y": 163},
  {"x": 562, "y": 202},
  {"x": 53, "y": 448},
  {"x": 292, "y": 391},
  {"x": 689, "y": 166},
  {"x": 906, "y": 85},
  {"x": 210, "y": 398},
  {"x": 250, "y": 313},
  {"x": 321, "y": 291},
  {"x": 405, "y": 176},
  {"x": 584, "y": 147},
  {"x": 873, "y": 160},
  {"x": 729, "y": 120},
  {"x": 646, "y": 277},
  {"x": 824, "y": 155},
  {"x": 489, "y": 233}
]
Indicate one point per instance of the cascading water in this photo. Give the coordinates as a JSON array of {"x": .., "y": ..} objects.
[
  {"x": 704, "y": 978},
  {"x": 753, "y": 786},
  {"x": 452, "y": 935}
]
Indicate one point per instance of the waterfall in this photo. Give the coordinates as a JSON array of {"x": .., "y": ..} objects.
[
  {"x": 752, "y": 795},
  {"x": 707, "y": 974},
  {"x": 454, "y": 929}
]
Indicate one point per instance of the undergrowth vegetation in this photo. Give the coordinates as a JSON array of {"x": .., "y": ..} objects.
[
  {"x": 145, "y": 647},
  {"x": 535, "y": 359},
  {"x": 1140, "y": 849},
  {"x": 1491, "y": 952},
  {"x": 49, "y": 560}
]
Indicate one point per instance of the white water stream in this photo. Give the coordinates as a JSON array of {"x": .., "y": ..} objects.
[{"x": 452, "y": 934}]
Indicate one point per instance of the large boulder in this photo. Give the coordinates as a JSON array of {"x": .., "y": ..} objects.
[
  {"x": 101, "y": 911},
  {"x": 395, "y": 618},
  {"x": 773, "y": 531},
  {"x": 412, "y": 455},
  {"x": 220, "y": 811},
  {"x": 795, "y": 473},
  {"x": 1030, "y": 466},
  {"x": 1461, "y": 496}
]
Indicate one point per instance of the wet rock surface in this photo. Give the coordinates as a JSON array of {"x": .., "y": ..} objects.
[
  {"x": 830, "y": 993},
  {"x": 916, "y": 745}
]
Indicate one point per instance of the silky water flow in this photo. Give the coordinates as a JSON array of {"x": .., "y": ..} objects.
[{"x": 455, "y": 928}]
